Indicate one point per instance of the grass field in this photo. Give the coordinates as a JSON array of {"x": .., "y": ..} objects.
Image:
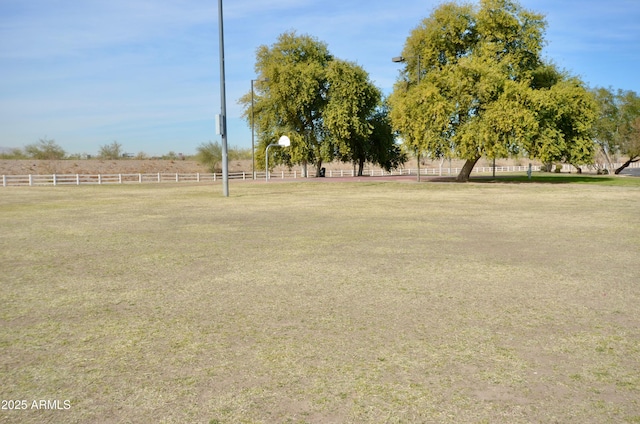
[{"x": 310, "y": 302}]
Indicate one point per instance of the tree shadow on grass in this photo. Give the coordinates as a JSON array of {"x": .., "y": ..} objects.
[
  {"x": 553, "y": 179},
  {"x": 539, "y": 178}
]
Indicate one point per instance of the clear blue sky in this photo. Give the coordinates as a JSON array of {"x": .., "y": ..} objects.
[{"x": 146, "y": 73}]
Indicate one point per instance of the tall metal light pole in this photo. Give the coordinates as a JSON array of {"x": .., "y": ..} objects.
[
  {"x": 223, "y": 101},
  {"x": 401, "y": 59},
  {"x": 253, "y": 148}
]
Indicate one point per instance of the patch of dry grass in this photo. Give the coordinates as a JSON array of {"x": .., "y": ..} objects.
[{"x": 310, "y": 302}]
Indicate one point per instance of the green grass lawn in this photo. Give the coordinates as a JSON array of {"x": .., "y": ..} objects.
[
  {"x": 560, "y": 178},
  {"x": 309, "y": 302}
]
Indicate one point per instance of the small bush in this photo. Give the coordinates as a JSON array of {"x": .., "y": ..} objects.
[
  {"x": 210, "y": 155},
  {"x": 111, "y": 151},
  {"x": 13, "y": 154},
  {"x": 45, "y": 149},
  {"x": 546, "y": 167}
]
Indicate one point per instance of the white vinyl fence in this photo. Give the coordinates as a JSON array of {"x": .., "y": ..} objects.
[{"x": 83, "y": 179}]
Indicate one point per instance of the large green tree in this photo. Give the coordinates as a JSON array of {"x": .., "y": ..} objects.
[
  {"x": 294, "y": 98},
  {"x": 617, "y": 125},
  {"x": 357, "y": 120},
  {"x": 606, "y": 127},
  {"x": 629, "y": 142},
  {"x": 632, "y": 144},
  {"x": 352, "y": 100},
  {"x": 328, "y": 107},
  {"x": 475, "y": 84},
  {"x": 565, "y": 113},
  {"x": 381, "y": 147}
]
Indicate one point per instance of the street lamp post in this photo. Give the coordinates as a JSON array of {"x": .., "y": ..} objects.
[
  {"x": 253, "y": 149},
  {"x": 223, "y": 102},
  {"x": 284, "y": 141},
  {"x": 402, "y": 59}
]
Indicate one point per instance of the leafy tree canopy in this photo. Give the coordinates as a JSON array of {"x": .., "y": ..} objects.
[
  {"x": 632, "y": 144},
  {"x": 327, "y": 106},
  {"x": 475, "y": 84},
  {"x": 617, "y": 126}
]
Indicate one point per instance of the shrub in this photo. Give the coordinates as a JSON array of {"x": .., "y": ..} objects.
[
  {"x": 13, "y": 154},
  {"x": 210, "y": 155},
  {"x": 45, "y": 149},
  {"x": 111, "y": 151}
]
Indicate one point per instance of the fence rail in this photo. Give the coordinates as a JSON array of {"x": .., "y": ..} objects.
[{"x": 83, "y": 179}]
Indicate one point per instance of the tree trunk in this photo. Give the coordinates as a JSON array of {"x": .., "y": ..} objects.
[
  {"x": 318, "y": 168},
  {"x": 464, "y": 174},
  {"x": 627, "y": 163},
  {"x": 607, "y": 158},
  {"x": 360, "y": 167}
]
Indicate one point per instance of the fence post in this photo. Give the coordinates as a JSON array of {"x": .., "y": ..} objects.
[
  {"x": 140, "y": 178},
  {"x": 119, "y": 178},
  {"x": 177, "y": 180},
  {"x": 158, "y": 177},
  {"x": 198, "y": 177},
  {"x": 4, "y": 181},
  {"x": 54, "y": 180},
  {"x": 99, "y": 178},
  {"x": 77, "y": 179},
  {"x": 214, "y": 177}
]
